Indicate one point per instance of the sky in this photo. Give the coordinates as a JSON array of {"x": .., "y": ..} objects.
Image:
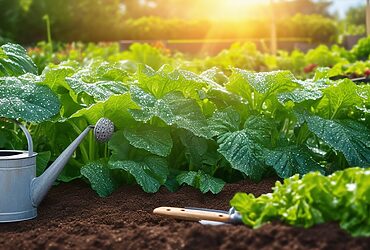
[
  {"x": 234, "y": 9},
  {"x": 338, "y": 6},
  {"x": 341, "y": 6}
]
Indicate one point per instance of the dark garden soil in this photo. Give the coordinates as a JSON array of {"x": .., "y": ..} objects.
[{"x": 74, "y": 217}]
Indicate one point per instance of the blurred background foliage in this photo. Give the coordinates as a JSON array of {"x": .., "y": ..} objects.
[{"x": 112, "y": 20}]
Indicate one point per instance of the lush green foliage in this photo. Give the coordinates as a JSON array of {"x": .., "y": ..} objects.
[
  {"x": 343, "y": 197},
  {"x": 362, "y": 49},
  {"x": 239, "y": 55},
  {"x": 176, "y": 127},
  {"x": 14, "y": 61},
  {"x": 19, "y": 98}
]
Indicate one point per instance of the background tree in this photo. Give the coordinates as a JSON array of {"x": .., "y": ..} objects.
[
  {"x": 356, "y": 15},
  {"x": 110, "y": 20}
]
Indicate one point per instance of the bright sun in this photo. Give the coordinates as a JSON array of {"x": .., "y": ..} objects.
[{"x": 235, "y": 9}]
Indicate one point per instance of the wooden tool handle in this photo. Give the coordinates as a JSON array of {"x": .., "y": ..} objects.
[{"x": 190, "y": 214}]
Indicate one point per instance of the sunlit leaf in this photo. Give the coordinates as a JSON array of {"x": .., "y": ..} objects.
[
  {"x": 14, "y": 61},
  {"x": 153, "y": 139},
  {"x": 27, "y": 101}
]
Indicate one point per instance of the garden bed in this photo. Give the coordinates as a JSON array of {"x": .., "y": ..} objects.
[{"x": 73, "y": 217}]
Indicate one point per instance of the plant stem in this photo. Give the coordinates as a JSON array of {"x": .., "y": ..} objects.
[
  {"x": 106, "y": 150},
  {"x": 85, "y": 155},
  {"x": 48, "y": 31},
  {"x": 92, "y": 147}
]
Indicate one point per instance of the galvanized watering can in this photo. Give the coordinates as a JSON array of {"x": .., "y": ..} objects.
[{"x": 20, "y": 190}]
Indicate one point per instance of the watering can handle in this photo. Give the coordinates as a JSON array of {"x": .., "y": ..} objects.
[{"x": 25, "y": 131}]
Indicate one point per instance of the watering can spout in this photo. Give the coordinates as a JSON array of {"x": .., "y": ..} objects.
[{"x": 40, "y": 185}]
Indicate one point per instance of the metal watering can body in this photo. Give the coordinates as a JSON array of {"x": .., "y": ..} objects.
[
  {"x": 17, "y": 170},
  {"x": 20, "y": 190}
]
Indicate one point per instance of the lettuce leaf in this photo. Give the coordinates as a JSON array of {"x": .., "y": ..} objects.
[{"x": 343, "y": 197}]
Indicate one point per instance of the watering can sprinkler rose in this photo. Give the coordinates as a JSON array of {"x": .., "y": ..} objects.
[{"x": 20, "y": 190}]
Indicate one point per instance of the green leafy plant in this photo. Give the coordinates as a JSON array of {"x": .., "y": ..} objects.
[
  {"x": 14, "y": 61},
  {"x": 20, "y": 98},
  {"x": 361, "y": 49},
  {"x": 343, "y": 197},
  {"x": 175, "y": 127}
]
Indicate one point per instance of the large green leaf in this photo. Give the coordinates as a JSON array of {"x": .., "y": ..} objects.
[
  {"x": 211, "y": 184},
  {"x": 364, "y": 92},
  {"x": 262, "y": 129},
  {"x": 215, "y": 75},
  {"x": 347, "y": 136},
  {"x": 42, "y": 160},
  {"x": 243, "y": 152},
  {"x": 27, "y": 101},
  {"x": 100, "y": 177},
  {"x": 290, "y": 160},
  {"x": 150, "y": 106},
  {"x": 201, "y": 180},
  {"x": 222, "y": 121},
  {"x": 156, "y": 140},
  {"x": 150, "y": 173},
  {"x": 108, "y": 71},
  {"x": 189, "y": 178},
  {"x": 308, "y": 90},
  {"x": 165, "y": 80},
  {"x": 120, "y": 146},
  {"x": 173, "y": 109},
  {"x": 339, "y": 98},
  {"x": 199, "y": 151},
  {"x": 70, "y": 173},
  {"x": 100, "y": 90},
  {"x": 257, "y": 88},
  {"x": 115, "y": 108},
  {"x": 54, "y": 78},
  {"x": 98, "y": 80},
  {"x": 221, "y": 97},
  {"x": 15, "y": 61}
]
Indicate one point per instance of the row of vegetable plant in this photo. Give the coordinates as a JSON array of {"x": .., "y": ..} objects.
[
  {"x": 175, "y": 127},
  {"x": 351, "y": 63}
]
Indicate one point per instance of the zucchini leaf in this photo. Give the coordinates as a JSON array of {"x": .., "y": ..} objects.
[
  {"x": 27, "y": 101},
  {"x": 100, "y": 177},
  {"x": 173, "y": 109},
  {"x": 290, "y": 160},
  {"x": 14, "y": 61},
  {"x": 201, "y": 180},
  {"x": 115, "y": 109},
  {"x": 156, "y": 140},
  {"x": 165, "y": 81},
  {"x": 257, "y": 88},
  {"x": 222, "y": 121},
  {"x": 339, "y": 99},
  {"x": 150, "y": 173},
  {"x": 243, "y": 152},
  {"x": 347, "y": 136}
]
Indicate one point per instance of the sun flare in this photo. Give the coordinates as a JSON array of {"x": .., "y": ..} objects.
[{"x": 236, "y": 9}]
